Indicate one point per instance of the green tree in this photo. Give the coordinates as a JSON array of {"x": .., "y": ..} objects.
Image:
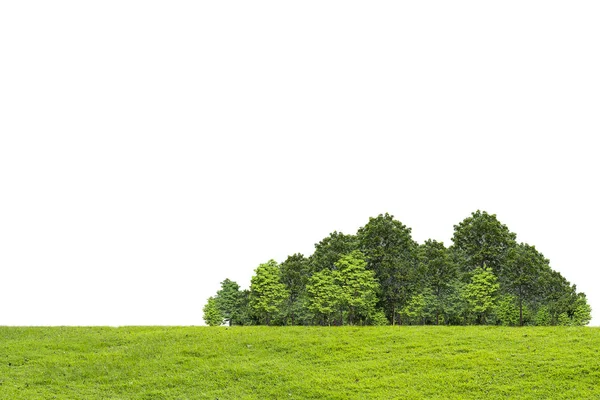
[
  {"x": 564, "y": 320},
  {"x": 329, "y": 250},
  {"x": 267, "y": 293},
  {"x": 358, "y": 287},
  {"x": 244, "y": 314},
  {"x": 228, "y": 301},
  {"x": 295, "y": 272},
  {"x": 507, "y": 311},
  {"x": 378, "y": 318},
  {"x": 582, "y": 312},
  {"x": 392, "y": 255},
  {"x": 520, "y": 275},
  {"x": 324, "y": 295},
  {"x": 557, "y": 294},
  {"x": 212, "y": 315},
  {"x": 441, "y": 272},
  {"x": 482, "y": 240},
  {"x": 456, "y": 307},
  {"x": 480, "y": 293},
  {"x": 415, "y": 311},
  {"x": 542, "y": 317}
]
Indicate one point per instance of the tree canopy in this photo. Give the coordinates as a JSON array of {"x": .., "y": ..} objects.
[{"x": 380, "y": 275}]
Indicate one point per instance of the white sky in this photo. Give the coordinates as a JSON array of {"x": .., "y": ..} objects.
[{"x": 151, "y": 149}]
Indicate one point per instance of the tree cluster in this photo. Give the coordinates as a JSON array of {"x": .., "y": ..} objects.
[{"x": 381, "y": 276}]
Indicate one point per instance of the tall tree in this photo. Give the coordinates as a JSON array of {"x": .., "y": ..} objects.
[
  {"x": 324, "y": 295},
  {"x": 440, "y": 270},
  {"x": 481, "y": 292},
  {"x": 523, "y": 267},
  {"x": 392, "y": 254},
  {"x": 557, "y": 294},
  {"x": 244, "y": 314},
  {"x": 482, "y": 240},
  {"x": 212, "y": 316},
  {"x": 267, "y": 293},
  {"x": 329, "y": 250},
  {"x": 295, "y": 272},
  {"x": 349, "y": 290},
  {"x": 358, "y": 287},
  {"x": 228, "y": 300}
]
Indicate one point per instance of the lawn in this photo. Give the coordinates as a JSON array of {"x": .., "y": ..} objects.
[{"x": 299, "y": 363}]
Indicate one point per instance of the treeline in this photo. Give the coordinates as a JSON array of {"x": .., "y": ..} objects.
[{"x": 381, "y": 276}]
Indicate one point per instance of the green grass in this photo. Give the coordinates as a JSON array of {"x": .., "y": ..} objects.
[{"x": 299, "y": 363}]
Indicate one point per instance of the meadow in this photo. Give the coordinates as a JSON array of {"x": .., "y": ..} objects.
[{"x": 420, "y": 362}]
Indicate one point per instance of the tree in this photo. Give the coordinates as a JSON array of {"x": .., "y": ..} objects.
[
  {"x": 440, "y": 270},
  {"x": 329, "y": 250},
  {"x": 521, "y": 272},
  {"x": 324, "y": 295},
  {"x": 267, "y": 293},
  {"x": 212, "y": 315},
  {"x": 391, "y": 254},
  {"x": 457, "y": 307},
  {"x": 557, "y": 294},
  {"x": 582, "y": 312},
  {"x": 415, "y": 311},
  {"x": 507, "y": 311},
  {"x": 480, "y": 294},
  {"x": 244, "y": 315},
  {"x": 228, "y": 300},
  {"x": 295, "y": 272},
  {"x": 542, "y": 316},
  {"x": 358, "y": 287},
  {"x": 482, "y": 240},
  {"x": 350, "y": 290}
]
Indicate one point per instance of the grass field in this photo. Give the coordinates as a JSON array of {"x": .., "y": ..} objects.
[{"x": 299, "y": 363}]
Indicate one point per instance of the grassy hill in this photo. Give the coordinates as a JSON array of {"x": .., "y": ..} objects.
[{"x": 299, "y": 363}]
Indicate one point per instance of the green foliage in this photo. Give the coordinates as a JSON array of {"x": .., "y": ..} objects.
[
  {"x": 457, "y": 307},
  {"x": 417, "y": 362},
  {"x": 480, "y": 294},
  {"x": 414, "y": 311},
  {"x": 392, "y": 254},
  {"x": 542, "y": 317},
  {"x": 521, "y": 274},
  {"x": 228, "y": 301},
  {"x": 481, "y": 240},
  {"x": 329, "y": 250},
  {"x": 485, "y": 277},
  {"x": 559, "y": 295},
  {"x": 582, "y": 313},
  {"x": 350, "y": 290},
  {"x": 378, "y": 318},
  {"x": 212, "y": 314},
  {"x": 244, "y": 315},
  {"x": 564, "y": 320},
  {"x": 358, "y": 287},
  {"x": 507, "y": 311},
  {"x": 295, "y": 272},
  {"x": 324, "y": 295},
  {"x": 267, "y": 293},
  {"x": 441, "y": 273}
]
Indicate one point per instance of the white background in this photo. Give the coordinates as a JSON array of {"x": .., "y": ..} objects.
[{"x": 151, "y": 149}]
